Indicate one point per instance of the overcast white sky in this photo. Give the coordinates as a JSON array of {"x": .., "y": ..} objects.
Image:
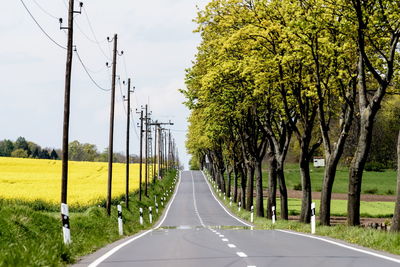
[{"x": 156, "y": 37}]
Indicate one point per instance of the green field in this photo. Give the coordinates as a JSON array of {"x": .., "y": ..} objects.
[
  {"x": 339, "y": 208},
  {"x": 384, "y": 183}
]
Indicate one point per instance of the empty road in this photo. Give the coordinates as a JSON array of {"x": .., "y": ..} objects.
[{"x": 197, "y": 231}]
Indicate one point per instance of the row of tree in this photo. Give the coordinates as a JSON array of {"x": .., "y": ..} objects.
[
  {"x": 22, "y": 148},
  {"x": 270, "y": 70}
]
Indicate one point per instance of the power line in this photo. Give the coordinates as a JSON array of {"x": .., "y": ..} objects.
[
  {"x": 40, "y": 27},
  {"x": 45, "y": 11},
  {"x": 87, "y": 72},
  {"x": 94, "y": 34}
]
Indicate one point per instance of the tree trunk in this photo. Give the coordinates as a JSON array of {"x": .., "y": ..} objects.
[
  {"x": 396, "y": 217},
  {"x": 235, "y": 183},
  {"x": 283, "y": 192},
  {"x": 305, "y": 215},
  {"x": 272, "y": 178},
  {"x": 250, "y": 186},
  {"x": 228, "y": 188},
  {"x": 223, "y": 184},
  {"x": 326, "y": 193},
  {"x": 243, "y": 182},
  {"x": 259, "y": 190},
  {"x": 357, "y": 166}
]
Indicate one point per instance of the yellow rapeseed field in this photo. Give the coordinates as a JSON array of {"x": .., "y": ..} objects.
[{"x": 32, "y": 179}]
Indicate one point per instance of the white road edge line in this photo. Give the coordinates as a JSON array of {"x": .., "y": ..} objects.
[
  {"x": 230, "y": 214},
  {"x": 343, "y": 245},
  {"x": 112, "y": 251}
]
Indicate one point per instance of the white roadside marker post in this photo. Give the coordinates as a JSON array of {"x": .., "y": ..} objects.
[
  {"x": 252, "y": 214},
  {"x": 224, "y": 195},
  {"x": 150, "y": 215},
  {"x": 162, "y": 201},
  {"x": 156, "y": 207},
  {"x": 120, "y": 226},
  {"x": 65, "y": 222},
  {"x": 240, "y": 205},
  {"x": 141, "y": 216},
  {"x": 230, "y": 202},
  {"x": 273, "y": 215},
  {"x": 313, "y": 218}
]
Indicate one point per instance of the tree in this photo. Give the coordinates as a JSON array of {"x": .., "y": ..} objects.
[
  {"x": 19, "y": 153},
  {"x": 21, "y": 143},
  {"x": 53, "y": 154},
  {"x": 6, "y": 148},
  {"x": 378, "y": 32}
]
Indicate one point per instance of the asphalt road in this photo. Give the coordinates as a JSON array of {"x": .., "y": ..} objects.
[{"x": 198, "y": 231}]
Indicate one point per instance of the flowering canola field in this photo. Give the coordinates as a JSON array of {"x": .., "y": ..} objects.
[{"x": 33, "y": 179}]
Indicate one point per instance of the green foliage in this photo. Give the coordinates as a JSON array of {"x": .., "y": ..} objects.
[
  {"x": 374, "y": 167},
  {"x": 384, "y": 139},
  {"x": 31, "y": 235},
  {"x": 19, "y": 153},
  {"x": 6, "y": 148}
]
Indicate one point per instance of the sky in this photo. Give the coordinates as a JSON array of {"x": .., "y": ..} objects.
[{"x": 158, "y": 43}]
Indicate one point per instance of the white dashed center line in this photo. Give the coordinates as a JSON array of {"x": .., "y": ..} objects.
[
  {"x": 225, "y": 239},
  {"x": 231, "y": 246},
  {"x": 241, "y": 254}
]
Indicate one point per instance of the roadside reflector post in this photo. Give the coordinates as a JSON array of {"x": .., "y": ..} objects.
[
  {"x": 273, "y": 215},
  {"x": 120, "y": 226},
  {"x": 252, "y": 214},
  {"x": 313, "y": 218},
  {"x": 141, "y": 216},
  {"x": 150, "y": 215},
  {"x": 224, "y": 195},
  {"x": 162, "y": 201},
  {"x": 230, "y": 202},
  {"x": 240, "y": 205},
  {"x": 156, "y": 207},
  {"x": 65, "y": 223}
]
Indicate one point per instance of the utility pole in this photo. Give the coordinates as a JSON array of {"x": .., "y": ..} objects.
[
  {"x": 111, "y": 135},
  {"x": 145, "y": 150},
  {"x": 140, "y": 155},
  {"x": 128, "y": 116},
  {"x": 158, "y": 131},
  {"x": 155, "y": 154},
  {"x": 67, "y": 101}
]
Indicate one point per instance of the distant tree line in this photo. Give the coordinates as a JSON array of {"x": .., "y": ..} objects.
[
  {"x": 22, "y": 148},
  {"x": 88, "y": 152}
]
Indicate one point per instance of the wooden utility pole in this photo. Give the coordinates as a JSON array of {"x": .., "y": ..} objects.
[
  {"x": 111, "y": 135},
  {"x": 67, "y": 101},
  {"x": 128, "y": 117},
  {"x": 155, "y": 154},
  {"x": 145, "y": 150},
  {"x": 65, "y": 139},
  {"x": 140, "y": 155}
]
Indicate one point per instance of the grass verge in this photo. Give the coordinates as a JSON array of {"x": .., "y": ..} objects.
[
  {"x": 32, "y": 237},
  {"x": 369, "y": 238}
]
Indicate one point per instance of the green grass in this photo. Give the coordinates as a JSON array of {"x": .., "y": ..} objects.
[
  {"x": 339, "y": 208},
  {"x": 31, "y": 235},
  {"x": 384, "y": 183},
  {"x": 370, "y": 238}
]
